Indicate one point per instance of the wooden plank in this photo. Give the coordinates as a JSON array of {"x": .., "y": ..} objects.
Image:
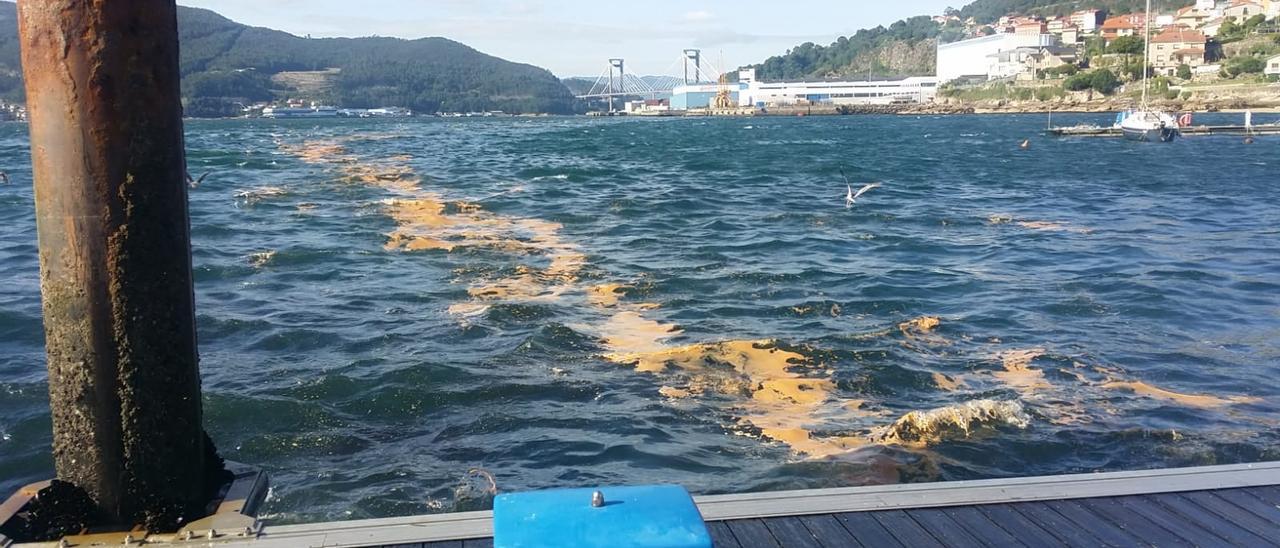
[
  {"x": 1236, "y": 515},
  {"x": 1096, "y": 525},
  {"x": 943, "y": 528},
  {"x": 905, "y": 529},
  {"x": 964, "y": 493},
  {"x": 791, "y": 532},
  {"x": 1018, "y": 525},
  {"x": 1171, "y": 522},
  {"x": 1269, "y": 494},
  {"x": 1135, "y": 523},
  {"x": 1056, "y": 524},
  {"x": 981, "y": 526},
  {"x": 869, "y": 532},
  {"x": 752, "y": 533},
  {"x": 829, "y": 532},
  {"x": 721, "y": 536},
  {"x": 1236, "y": 533},
  {"x": 1250, "y": 503}
]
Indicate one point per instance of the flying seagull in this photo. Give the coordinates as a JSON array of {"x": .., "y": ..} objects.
[
  {"x": 850, "y": 196},
  {"x": 196, "y": 182}
]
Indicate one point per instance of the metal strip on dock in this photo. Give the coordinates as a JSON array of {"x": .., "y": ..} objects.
[{"x": 1217, "y": 505}]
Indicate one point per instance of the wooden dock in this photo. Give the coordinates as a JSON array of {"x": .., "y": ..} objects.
[
  {"x": 1095, "y": 131},
  {"x": 1233, "y": 505}
]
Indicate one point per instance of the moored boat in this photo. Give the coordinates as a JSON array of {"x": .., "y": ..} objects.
[{"x": 1147, "y": 124}]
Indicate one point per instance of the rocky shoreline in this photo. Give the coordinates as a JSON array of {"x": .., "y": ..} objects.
[{"x": 1032, "y": 107}]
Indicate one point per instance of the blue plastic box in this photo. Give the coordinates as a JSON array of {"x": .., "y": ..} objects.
[{"x": 650, "y": 516}]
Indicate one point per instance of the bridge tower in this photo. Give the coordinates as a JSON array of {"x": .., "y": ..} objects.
[
  {"x": 620, "y": 66},
  {"x": 694, "y": 55}
]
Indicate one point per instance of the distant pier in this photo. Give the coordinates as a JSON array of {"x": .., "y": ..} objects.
[{"x": 1092, "y": 131}]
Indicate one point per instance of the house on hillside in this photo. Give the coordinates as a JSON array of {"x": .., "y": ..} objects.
[
  {"x": 1213, "y": 26},
  {"x": 1123, "y": 25},
  {"x": 1029, "y": 32},
  {"x": 1024, "y": 63},
  {"x": 1271, "y": 8},
  {"x": 1070, "y": 35},
  {"x": 1192, "y": 17},
  {"x": 1176, "y": 46},
  {"x": 1243, "y": 9},
  {"x": 1273, "y": 66},
  {"x": 1087, "y": 21}
]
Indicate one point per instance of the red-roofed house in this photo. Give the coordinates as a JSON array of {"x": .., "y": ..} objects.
[
  {"x": 1124, "y": 25},
  {"x": 1176, "y": 46}
]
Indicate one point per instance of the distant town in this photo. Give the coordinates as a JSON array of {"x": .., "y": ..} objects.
[
  {"x": 1206, "y": 55},
  {"x": 1209, "y": 50}
]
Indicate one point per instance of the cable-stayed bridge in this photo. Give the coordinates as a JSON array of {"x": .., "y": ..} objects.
[{"x": 615, "y": 81}]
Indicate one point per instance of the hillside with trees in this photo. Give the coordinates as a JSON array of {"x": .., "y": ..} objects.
[
  {"x": 905, "y": 48},
  {"x": 224, "y": 63},
  {"x": 908, "y": 47}
]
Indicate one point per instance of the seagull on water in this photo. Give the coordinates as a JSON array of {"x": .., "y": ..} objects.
[{"x": 850, "y": 196}]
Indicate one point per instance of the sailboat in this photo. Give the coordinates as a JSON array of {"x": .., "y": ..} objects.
[{"x": 1147, "y": 124}]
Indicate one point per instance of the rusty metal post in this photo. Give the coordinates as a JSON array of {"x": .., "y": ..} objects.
[{"x": 103, "y": 96}]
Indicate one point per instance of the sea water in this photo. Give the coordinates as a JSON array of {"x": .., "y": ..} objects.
[{"x": 385, "y": 305}]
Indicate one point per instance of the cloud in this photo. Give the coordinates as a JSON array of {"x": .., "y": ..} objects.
[{"x": 699, "y": 16}]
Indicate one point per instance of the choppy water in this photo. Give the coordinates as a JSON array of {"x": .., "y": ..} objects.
[{"x": 563, "y": 302}]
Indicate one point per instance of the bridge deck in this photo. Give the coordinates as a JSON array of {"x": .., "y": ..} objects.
[{"x": 1235, "y": 505}]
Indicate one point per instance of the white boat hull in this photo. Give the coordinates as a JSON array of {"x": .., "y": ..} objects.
[
  {"x": 1149, "y": 126},
  {"x": 1152, "y": 135}
]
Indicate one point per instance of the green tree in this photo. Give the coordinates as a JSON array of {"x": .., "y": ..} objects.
[
  {"x": 1079, "y": 82},
  {"x": 1133, "y": 70},
  {"x": 1229, "y": 30},
  {"x": 1184, "y": 71},
  {"x": 1236, "y": 66},
  {"x": 1103, "y": 81},
  {"x": 1253, "y": 22},
  {"x": 1128, "y": 45},
  {"x": 1095, "y": 46},
  {"x": 1062, "y": 70}
]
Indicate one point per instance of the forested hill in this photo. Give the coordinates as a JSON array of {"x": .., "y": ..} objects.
[
  {"x": 905, "y": 48},
  {"x": 224, "y": 62},
  {"x": 909, "y": 47}
]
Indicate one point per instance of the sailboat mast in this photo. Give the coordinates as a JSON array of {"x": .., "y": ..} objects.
[{"x": 1146, "y": 53}]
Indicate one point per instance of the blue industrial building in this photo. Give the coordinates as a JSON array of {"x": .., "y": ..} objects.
[{"x": 700, "y": 95}]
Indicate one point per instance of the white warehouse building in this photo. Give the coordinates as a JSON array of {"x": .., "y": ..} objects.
[
  {"x": 973, "y": 58},
  {"x": 921, "y": 89}
]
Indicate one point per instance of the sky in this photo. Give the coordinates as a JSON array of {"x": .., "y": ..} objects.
[{"x": 577, "y": 37}]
